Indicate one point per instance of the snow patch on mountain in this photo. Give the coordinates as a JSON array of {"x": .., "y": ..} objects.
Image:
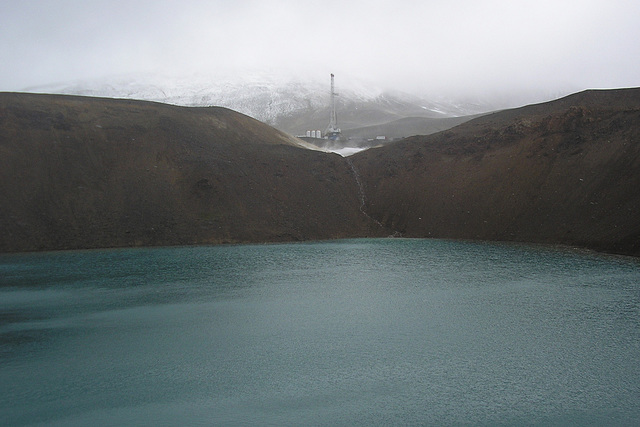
[{"x": 265, "y": 96}]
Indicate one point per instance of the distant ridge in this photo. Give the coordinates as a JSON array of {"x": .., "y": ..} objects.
[{"x": 408, "y": 126}]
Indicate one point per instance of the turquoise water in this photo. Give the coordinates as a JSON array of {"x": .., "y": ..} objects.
[{"x": 352, "y": 332}]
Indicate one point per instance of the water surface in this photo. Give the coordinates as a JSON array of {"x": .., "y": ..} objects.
[{"x": 352, "y": 332}]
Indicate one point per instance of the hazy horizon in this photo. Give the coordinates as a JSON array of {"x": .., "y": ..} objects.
[{"x": 457, "y": 48}]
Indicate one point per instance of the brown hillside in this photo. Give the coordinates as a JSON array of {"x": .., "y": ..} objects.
[
  {"x": 87, "y": 172},
  {"x": 566, "y": 172},
  {"x": 81, "y": 172}
]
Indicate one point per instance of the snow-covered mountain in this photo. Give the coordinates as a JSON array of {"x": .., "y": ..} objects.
[
  {"x": 295, "y": 104},
  {"x": 292, "y": 104}
]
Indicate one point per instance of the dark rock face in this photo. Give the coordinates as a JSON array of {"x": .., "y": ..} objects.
[
  {"x": 564, "y": 172},
  {"x": 87, "y": 172}
]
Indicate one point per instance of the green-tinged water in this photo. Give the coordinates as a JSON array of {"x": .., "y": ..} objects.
[{"x": 353, "y": 332}]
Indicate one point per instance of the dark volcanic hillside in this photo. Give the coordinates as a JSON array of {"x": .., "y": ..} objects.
[
  {"x": 88, "y": 172},
  {"x": 81, "y": 172},
  {"x": 564, "y": 172}
]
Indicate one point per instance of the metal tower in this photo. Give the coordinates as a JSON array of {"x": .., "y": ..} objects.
[{"x": 333, "y": 131}]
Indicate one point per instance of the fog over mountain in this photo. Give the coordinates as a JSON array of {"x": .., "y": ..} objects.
[
  {"x": 279, "y": 99},
  {"x": 299, "y": 104},
  {"x": 473, "y": 50}
]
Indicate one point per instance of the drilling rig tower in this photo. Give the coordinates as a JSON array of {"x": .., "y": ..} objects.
[{"x": 333, "y": 131}]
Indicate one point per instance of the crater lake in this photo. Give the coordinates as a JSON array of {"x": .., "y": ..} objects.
[{"x": 337, "y": 333}]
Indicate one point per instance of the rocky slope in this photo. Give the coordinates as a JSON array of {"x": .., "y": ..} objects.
[
  {"x": 79, "y": 172},
  {"x": 566, "y": 172}
]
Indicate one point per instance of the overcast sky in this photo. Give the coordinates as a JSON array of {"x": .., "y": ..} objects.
[{"x": 426, "y": 45}]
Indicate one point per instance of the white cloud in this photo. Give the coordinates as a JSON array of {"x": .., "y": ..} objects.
[{"x": 438, "y": 46}]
